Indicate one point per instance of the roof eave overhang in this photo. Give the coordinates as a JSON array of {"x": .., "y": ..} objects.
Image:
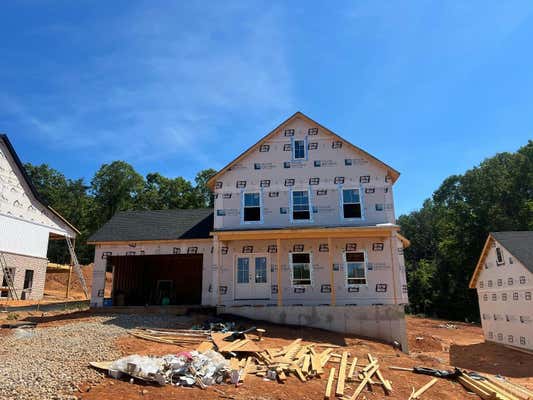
[
  {"x": 479, "y": 265},
  {"x": 145, "y": 241}
]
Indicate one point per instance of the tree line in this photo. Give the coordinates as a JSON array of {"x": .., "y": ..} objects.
[
  {"x": 114, "y": 187},
  {"x": 448, "y": 233}
]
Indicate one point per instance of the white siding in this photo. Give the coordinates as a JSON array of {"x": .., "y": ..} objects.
[
  {"x": 504, "y": 293},
  {"x": 21, "y": 237}
]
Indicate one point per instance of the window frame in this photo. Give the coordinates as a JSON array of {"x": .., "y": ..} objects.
[
  {"x": 291, "y": 206},
  {"x": 365, "y": 265},
  {"x": 28, "y": 280},
  {"x": 341, "y": 202},
  {"x": 293, "y": 149},
  {"x": 243, "y": 194},
  {"x": 237, "y": 272},
  {"x": 498, "y": 251},
  {"x": 291, "y": 266}
]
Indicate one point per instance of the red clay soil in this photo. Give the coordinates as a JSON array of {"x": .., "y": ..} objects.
[
  {"x": 56, "y": 285},
  {"x": 435, "y": 347}
]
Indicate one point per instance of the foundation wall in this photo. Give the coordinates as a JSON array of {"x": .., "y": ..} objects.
[{"x": 385, "y": 323}]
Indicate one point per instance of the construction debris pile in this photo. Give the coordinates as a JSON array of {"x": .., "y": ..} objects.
[{"x": 225, "y": 356}]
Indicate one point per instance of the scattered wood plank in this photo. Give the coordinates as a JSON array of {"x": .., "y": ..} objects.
[
  {"x": 352, "y": 368},
  {"x": 339, "y": 392},
  {"x": 329, "y": 385},
  {"x": 416, "y": 395}
]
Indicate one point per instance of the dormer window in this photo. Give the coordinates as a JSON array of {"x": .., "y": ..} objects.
[{"x": 299, "y": 150}]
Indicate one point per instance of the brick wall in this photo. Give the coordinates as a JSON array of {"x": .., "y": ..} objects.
[{"x": 22, "y": 263}]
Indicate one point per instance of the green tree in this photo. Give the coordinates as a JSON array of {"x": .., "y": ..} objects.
[
  {"x": 205, "y": 195},
  {"x": 115, "y": 187}
]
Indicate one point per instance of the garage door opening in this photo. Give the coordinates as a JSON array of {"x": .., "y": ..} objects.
[{"x": 174, "y": 279}]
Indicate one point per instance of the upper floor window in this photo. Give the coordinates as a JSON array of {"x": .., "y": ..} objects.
[
  {"x": 499, "y": 256},
  {"x": 298, "y": 152},
  {"x": 355, "y": 266},
  {"x": 251, "y": 207},
  {"x": 522, "y": 280},
  {"x": 301, "y": 268},
  {"x": 481, "y": 284},
  {"x": 351, "y": 203},
  {"x": 301, "y": 207}
]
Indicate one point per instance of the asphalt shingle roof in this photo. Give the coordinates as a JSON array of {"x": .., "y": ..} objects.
[
  {"x": 156, "y": 225},
  {"x": 519, "y": 244}
]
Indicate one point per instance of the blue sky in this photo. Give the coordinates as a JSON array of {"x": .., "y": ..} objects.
[{"x": 430, "y": 87}]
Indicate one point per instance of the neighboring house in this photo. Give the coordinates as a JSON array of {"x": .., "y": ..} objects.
[
  {"x": 303, "y": 217},
  {"x": 27, "y": 223},
  {"x": 504, "y": 281}
]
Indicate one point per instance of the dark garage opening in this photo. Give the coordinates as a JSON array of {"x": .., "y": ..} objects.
[{"x": 157, "y": 279}]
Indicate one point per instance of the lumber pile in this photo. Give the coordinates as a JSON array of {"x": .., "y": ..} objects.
[
  {"x": 370, "y": 374},
  {"x": 180, "y": 337},
  {"x": 492, "y": 389},
  {"x": 297, "y": 359}
]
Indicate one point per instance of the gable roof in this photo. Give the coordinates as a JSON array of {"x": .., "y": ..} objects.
[
  {"x": 29, "y": 183},
  {"x": 518, "y": 243},
  {"x": 129, "y": 226},
  {"x": 391, "y": 171}
]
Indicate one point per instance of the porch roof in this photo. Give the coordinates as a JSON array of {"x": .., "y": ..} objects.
[{"x": 312, "y": 233}]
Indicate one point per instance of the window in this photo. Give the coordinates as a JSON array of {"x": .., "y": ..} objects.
[
  {"x": 485, "y": 297},
  {"x": 243, "y": 270},
  {"x": 500, "y": 282},
  {"x": 10, "y": 272},
  {"x": 299, "y": 150},
  {"x": 491, "y": 335},
  {"x": 510, "y": 338},
  {"x": 515, "y": 296},
  {"x": 489, "y": 283},
  {"x": 522, "y": 340},
  {"x": 252, "y": 207},
  {"x": 494, "y": 297},
  {"x": 499, "y": 256},
  {"x": 522, "y": 280},
  {"x": 528, "y": 296},
  {"x": 510, "y": 281},
  {"x": 481, "y": 284},
  {"x": 355, "y": 268},
  {"x": 300, "y": 205},
  {"x": 301, "y": 268},
  {"x": 504, "y": 296},
  {"x": 500, "y": 336},
  {"x": 351, "y": 203},
  {"x": 260, "y": 270},
  {"x": 28, "y": 279}
]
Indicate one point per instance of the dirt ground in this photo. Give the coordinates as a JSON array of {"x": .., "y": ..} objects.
[{"x": 430, "y": 345}]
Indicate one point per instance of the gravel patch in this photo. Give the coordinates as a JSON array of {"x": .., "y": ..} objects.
[{"x": 47, "y": 363}]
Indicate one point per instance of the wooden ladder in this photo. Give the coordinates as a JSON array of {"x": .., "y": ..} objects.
[
  {"x": 8, "y": 277},
  {"x": 77, "y": 267}
]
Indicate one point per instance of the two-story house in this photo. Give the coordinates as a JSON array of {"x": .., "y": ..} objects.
[
  {"x": 301, "y": 218},
  {"x": 503, "y": 279}
]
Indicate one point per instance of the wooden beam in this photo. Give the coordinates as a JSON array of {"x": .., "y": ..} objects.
[
  {"x": 393, "y": 253},
  {"x": 339, "y": 392},
  {"x": 278, "y": 271},
  {"x": 352, "y": 368},
  {"x": 329, "y": 385},
  {"x": 333, "y": 299}
]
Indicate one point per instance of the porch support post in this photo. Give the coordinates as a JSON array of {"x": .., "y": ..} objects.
[
  {"x": 278, "y": 270},
  {"x": 216, "y": 250},
  {"x": 332, "y": 272},
  {"x": 393, "y": 267}
]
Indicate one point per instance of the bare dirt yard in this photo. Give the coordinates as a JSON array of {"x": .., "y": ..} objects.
[{"x": 51, "y": 361}]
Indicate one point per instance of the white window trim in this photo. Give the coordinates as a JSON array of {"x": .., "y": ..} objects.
[
  {"x": 309, "y": 194},
  {"x": 236, "y": 257},
  {"x": 261, "y": 208},
  {"x": 293, "y": 149},
  {"x": 341, "y": 202},
  {"x": 346, "y": 269},
  {"x": 496, "y": 255},
  {"x": 292, "y": 271}
]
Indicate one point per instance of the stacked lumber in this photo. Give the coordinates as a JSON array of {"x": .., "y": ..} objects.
[
  {"x": 490, "y": 388},
  {"x": 370, "y": 374},
  {"x": 180, "y": 337}
]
